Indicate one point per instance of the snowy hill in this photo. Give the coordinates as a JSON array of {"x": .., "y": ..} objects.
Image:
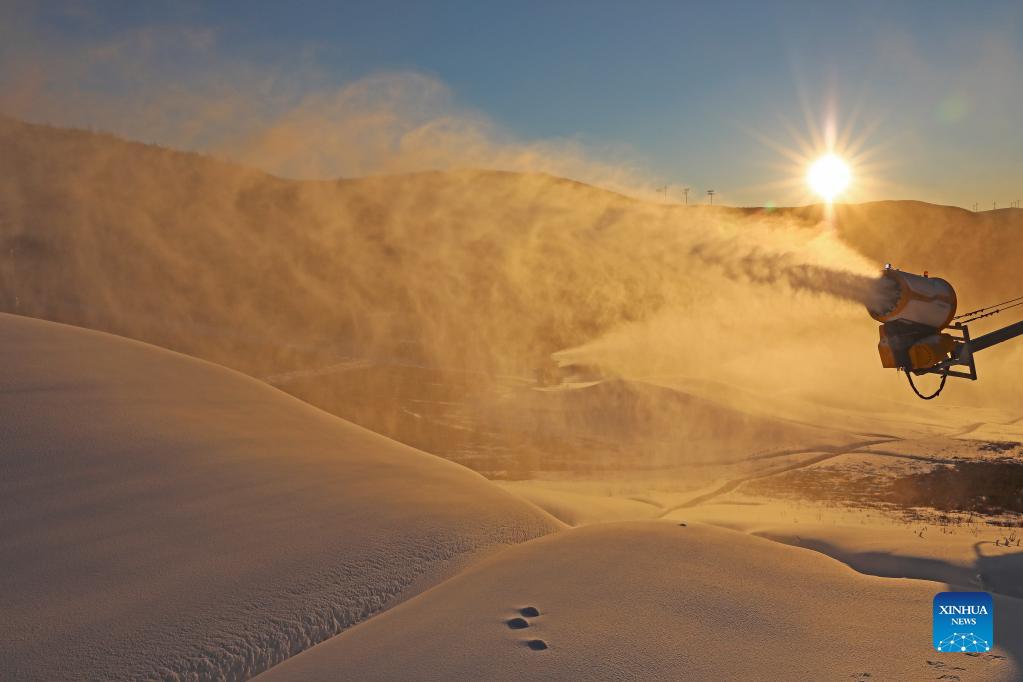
[
  {"x": 164, "y": 517},
  {"x": 654, "y": 600}
]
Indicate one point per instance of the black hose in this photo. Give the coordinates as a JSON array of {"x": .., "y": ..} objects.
[{"x": 944, "y": 377}]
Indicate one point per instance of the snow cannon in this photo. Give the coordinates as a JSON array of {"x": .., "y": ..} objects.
[
  {"x": 930, "y": 301},
  {"x": 920, "y": 307},
  {"x": 921, "y": 333}
]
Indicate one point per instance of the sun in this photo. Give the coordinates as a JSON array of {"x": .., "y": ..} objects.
[
  {"x": 828, "y": 176},
  {"x": 826, "y": 161}
]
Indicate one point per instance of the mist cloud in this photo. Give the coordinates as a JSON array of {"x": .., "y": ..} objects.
[
  {"x": 172, "y": 85},
  {"x": 470, "y": 269}
]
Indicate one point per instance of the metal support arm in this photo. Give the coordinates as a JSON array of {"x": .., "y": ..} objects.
[
  {"x": 997, "y": 336},
  {"x": 962, "y": 356}
]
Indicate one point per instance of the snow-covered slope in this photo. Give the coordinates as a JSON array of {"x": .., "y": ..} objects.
[
  {"x": 653, "y": 600},
  {"x": 164, "y": 517}
]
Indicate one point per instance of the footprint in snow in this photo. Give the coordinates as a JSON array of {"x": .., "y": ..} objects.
[{"x": 520, "y": 623}]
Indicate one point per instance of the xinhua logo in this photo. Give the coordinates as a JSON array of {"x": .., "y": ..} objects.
[{"x": 964, "y": 621}]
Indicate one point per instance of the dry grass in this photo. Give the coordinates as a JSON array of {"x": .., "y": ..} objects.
[{"x": 984, "y": 487}]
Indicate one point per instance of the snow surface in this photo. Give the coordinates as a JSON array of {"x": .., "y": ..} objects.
[
  {"x": 656, "y": 600},
  {"x": 163, "y": 517},
  {"x": 577, "y": 509},
  {"x": 875, "y": 545}
]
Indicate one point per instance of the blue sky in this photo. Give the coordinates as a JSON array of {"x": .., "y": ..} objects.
[{"x": 690, "y": 93}]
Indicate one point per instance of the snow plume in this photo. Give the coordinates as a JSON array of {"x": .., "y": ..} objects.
[
  {"x": 756, "y": 302},
  {"x": 761, "y": 267}
]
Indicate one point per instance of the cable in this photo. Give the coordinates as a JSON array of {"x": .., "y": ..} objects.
[
  {"x": 993, "y": 312},
  {"x": 944, "y": 377},
  {"x": 995, "y": 305}
]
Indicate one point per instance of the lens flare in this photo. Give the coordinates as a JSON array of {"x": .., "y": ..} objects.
[{"x": 828, "y": 176}]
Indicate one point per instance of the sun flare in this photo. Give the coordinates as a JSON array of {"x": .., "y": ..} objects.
[
  {"x": 828, "y": 176},
  {"x": 826, "y": 160}
]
